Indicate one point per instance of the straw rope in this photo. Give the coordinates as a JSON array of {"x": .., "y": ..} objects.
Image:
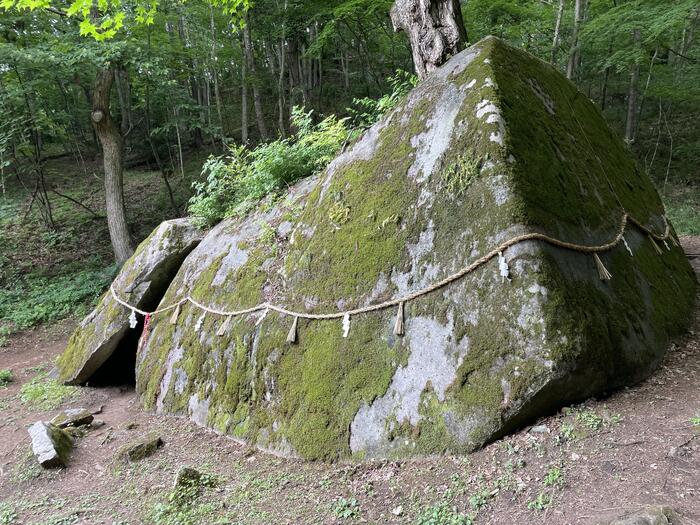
[{"x": 399, "y": 301}]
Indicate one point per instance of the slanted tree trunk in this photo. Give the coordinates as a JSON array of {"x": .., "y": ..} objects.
[
  {"x": 632, "y": 94},
  {"x": 575, "y": 53},
  {"x": 435, "y": 29},
  {"x": 113, "y": 159}
]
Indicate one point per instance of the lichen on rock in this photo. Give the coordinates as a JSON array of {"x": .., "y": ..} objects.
[{"x": 480, "y": 356}]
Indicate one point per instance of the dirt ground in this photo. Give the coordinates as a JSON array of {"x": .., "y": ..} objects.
[{"x": 637, "y": 447}]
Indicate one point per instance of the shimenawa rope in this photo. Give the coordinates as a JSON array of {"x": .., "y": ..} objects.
[{"x": 400, "y": 301}]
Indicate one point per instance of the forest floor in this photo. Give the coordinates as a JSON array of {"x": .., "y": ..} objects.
[{"x": 639, "y": 446}]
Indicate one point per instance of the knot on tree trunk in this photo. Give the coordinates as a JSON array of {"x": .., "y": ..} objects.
[
  {"x": 97, "y": 116},
  {"x": 435, "y": 29}
]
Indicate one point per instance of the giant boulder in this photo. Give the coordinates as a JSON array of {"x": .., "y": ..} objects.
[{"x": 494, "y": 145}]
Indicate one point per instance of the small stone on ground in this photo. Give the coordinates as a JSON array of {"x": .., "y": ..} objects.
[
  {"x": 140, "y": 448},
  {"x": 72, "y": 417},
  {"x": 50, "y": 444}
]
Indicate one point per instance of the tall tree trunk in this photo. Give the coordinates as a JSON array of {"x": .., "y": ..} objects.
[
  {"x": 214, "y": 71},
  {"x": 575, "y": 53},
  {"x": 250, "y": 59},
  {"x": 244, "y": 103},
  {"x": 113, "y": 159},
  {"x": 632, "y": 94},
  {"x": 435, "y": 29},
  {"x": 557, "y": 32}
]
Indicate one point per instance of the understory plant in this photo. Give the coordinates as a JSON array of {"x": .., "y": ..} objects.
[{"x": 236, "y": 182}]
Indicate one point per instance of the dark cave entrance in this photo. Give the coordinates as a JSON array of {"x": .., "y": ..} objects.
[{"x": 120, "y": 367}]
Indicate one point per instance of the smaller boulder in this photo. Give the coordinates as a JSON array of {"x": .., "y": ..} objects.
[
  {"x": 140, "y": 448},
  {"x": 72, "y": 417},
  {"x": 187, "y": 477},
  {"x": 654, "y": 515},
  {"x": 50, "y": 444}
]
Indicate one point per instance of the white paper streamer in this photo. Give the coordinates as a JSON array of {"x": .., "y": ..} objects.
[
  {"x": 198, "y": 324},
  {"x": 624, "y": 241},
  {"x": 503, "y": 267},
  {"x": 132, "y": 319},
  {"x": 346, "y": 325}
]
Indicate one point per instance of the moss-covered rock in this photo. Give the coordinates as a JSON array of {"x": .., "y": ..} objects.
[
  {"x": 493, "y": 145},
  {"x": 141, "y": 282}
]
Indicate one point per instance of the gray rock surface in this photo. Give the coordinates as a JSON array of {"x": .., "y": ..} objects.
[
  {"x": 72, "y": 417},
  {"x": 141, "y": 282},
  {"x": 50, "y": 445},
  {"x": 653, "y": 515},
  {"x": 140, "y": 448}
]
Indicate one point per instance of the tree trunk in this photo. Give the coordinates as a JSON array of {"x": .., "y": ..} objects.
[
  {"x": 435, "y": 29},
  {"x": 557, "y": 32},
  {"x": 575, "y": 53},
  {"x": 632, "y": 95},
  {"x": 113, "y": 158},
  {"x": 250, "y": 59},
  {"x": 244, "y": 104}
]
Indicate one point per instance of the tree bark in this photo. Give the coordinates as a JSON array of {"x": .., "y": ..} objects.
[
  {"x": 435, "y": 29},
  {"x": 113, "y": 159},
  {"x": 257, "y": 101},
  {"x": 244, "y": 104},
  {"x": 575, "y": 53},
  {"x": 632, "y": 94},
  {"x": 557, "y": 32}
]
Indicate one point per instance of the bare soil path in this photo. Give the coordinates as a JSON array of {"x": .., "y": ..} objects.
[{"x": 639, "y": 446}]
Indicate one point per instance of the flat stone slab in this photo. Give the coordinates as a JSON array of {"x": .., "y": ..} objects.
[
  {"x": 72, "y": 417},
  {"x": 141, "y": 281},
  {"x": 50, "y": 445},
  {"x": 140, "y": 448}
]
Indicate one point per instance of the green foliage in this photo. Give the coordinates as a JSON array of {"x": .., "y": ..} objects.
[
  {"x": 5, "y": 377},
  {"x": 346, "y": 508},
  {"x": 236, "y": 182},
  {"x": 368, "y": 110},
  {"x": 683, "y": 209},
  {"x": 43, "y": 299},
  {"x": 44, "y": 393},
  {"x": 695, "y": 421},
  {"x": 554, "y": 476},
  {"x": 443, "y": 514},
  {"x": 8, "y": 516},
  {"x": 541, "y": 502}
]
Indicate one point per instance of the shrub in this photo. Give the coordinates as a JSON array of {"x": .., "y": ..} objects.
[
  {"x": 236, "y": 182},
  {"x": 369, "y": 110}
]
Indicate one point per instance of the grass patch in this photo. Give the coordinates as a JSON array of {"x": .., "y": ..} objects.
[
  {"x": 5, "y": 379},
  {"x": 345, "y": 509},
  {"x": 38, "y": 300},
  {"x": 683, "y": 208},
  {"x": 8, "y": 516},
  {"x": 45, "y": 393},
  {"x": 443, "y": 514}
]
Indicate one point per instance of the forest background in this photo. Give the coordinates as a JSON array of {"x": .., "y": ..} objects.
[{"x": 204, "y": 109}]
